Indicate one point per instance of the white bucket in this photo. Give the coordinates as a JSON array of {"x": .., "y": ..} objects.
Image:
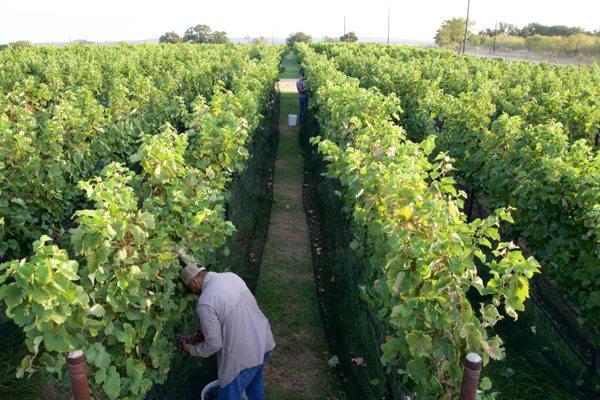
[
  {"x": 214, "y": 384},
  {"x": 292, "y": 119}
]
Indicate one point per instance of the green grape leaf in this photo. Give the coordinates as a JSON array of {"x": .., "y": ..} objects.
[
  {"x": 419, "y": 344},
  {"x": 96, "y": 310},
  {"x": 112, "y": 384}
]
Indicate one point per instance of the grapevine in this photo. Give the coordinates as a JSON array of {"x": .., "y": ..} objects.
[{"x": 421, "y": 251}]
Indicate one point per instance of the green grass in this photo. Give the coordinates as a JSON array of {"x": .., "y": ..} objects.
[
  {"x": 516, "y": 379},
  {"x": 298, "y": 368},
  {"x": 291, "y": 67},
  {"x": 10, "y": 359}
]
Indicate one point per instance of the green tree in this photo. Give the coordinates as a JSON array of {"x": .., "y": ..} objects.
[
  {"x": 170, "y": 37},
  {"x": 452, "y": 32},
  {"x": 198, "y": 34},
  {"x": 203, "y": 34},
  {"x": 503, "y": 28},
  {"x": 298, "y": 37},
  {"x": 218, "y": 37},
  {"x": 507, "y": 29},
  {"x": 20, "y": 43},
  {"x": 349, "y": 37},
  {"x": 554, "y": 30},
  {"x": 257, "y": 40}
]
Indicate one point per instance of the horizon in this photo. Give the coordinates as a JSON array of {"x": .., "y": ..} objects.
[{"x": 241, "y": 40}]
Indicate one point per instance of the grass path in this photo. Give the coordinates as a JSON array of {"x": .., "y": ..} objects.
[{"x": 286, "y": 293}]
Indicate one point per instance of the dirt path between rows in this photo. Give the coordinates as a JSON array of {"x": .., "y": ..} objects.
[{"x": 286, "y": 293}]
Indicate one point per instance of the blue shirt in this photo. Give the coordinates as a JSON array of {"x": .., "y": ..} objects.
[{"x": 300, "y": 85}]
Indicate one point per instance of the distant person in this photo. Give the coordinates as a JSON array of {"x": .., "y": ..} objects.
[
  {"x": 303, "y": 96},
  {"x": 232, "y": 326}
]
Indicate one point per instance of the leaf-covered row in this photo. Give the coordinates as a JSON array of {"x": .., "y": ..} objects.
[
  {"x": 67, "y": 112},
  {"x": 522, "y": 136},
  {"x": 420, "y": 250},
  {"x": 115, "y": 291}
]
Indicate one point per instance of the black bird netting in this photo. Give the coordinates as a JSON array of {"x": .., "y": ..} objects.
[
  {"x": 249, "y": 208},
  {"x": 550, "y": 334},
  {"x": 353, "y": 336},
  {"x": 549, "y": 355}
]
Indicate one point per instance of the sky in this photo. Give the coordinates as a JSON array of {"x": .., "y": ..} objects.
[{"x": 114, "y": 20}]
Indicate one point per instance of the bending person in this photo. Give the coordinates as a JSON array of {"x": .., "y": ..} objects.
[{"x": 232, "y": 326}]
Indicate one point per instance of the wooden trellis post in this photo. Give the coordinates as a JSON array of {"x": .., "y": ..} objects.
[
  {"x": 78, "y": 371},
  {"x": 470, "y": 381}
]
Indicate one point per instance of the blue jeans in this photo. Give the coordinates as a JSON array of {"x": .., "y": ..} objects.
[
  {"x": 303, "y": 107},
  {"x": 249, "y": 380}
]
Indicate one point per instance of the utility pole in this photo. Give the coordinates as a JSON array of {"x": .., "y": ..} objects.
[
  {"x": 464, "y": 47},
  {"x": 388, "y": 36},
  {"x": 344, "y": 25},
  {"x": 495, "y": 34}
]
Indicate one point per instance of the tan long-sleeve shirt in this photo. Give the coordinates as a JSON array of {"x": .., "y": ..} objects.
[{"x": 232, "y": 324}]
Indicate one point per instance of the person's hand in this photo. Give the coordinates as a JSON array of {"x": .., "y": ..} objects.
[
  {"x": 199, "y": 336},
  {"x": 179, "y": 343},
  {"x": 185, "y": 347}
]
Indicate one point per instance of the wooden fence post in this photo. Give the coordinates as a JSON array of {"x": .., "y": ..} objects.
[
  {"x": 78, "y": 374},
  {"x": 470, "y": 381}
]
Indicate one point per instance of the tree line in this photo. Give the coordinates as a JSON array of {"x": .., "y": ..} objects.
[
  {"x": 195, "y": 34},
  {"x": 349, "y": 37},
  {"x": 555, "y": 39},
  {"x": 204, "y": 34},
  {"x": 533, "y": 29}
]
